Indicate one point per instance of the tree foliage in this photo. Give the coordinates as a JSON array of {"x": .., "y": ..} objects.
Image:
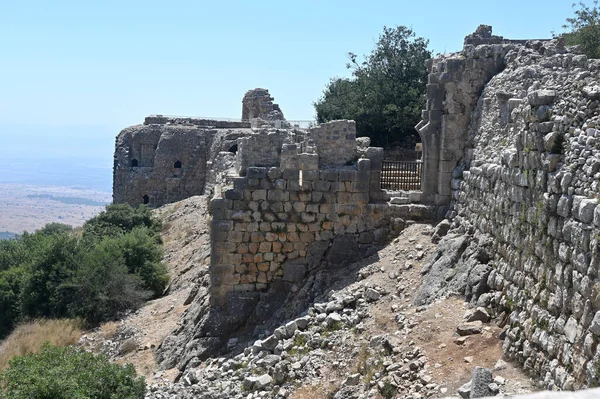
[
  {"x": 113, "y": 266},
  {"x": 69, "y": 373},
  {"x": 385, "y": 94},
  {"x": 584, "y": 29}
]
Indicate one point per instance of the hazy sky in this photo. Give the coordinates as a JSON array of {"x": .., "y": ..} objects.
[{"x": 110, "y": 63}]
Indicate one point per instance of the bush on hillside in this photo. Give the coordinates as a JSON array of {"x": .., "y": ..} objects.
[
  {"x": 114, "y": 266},
  {"x": 68, "y": 373},
  {"x": 119, "y": 219}
]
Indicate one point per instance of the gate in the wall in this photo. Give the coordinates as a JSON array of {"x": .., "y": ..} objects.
[{"x": 401, "y": 175}]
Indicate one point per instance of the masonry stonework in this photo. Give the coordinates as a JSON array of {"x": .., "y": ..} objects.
[{"x": 522, "y": 184}]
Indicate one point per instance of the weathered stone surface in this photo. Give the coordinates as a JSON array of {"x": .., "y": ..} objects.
[
  {"x": 480, "y": 382},
  {"x": 477, "y": 314},
  {"x": 470, "y": 328}
]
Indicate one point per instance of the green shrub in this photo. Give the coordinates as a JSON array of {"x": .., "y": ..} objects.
[
  {"x": 114, "y": 266},
  {"x": 143, "y": 256},
  {"x": 118, "y": 219},
  {"x": 584, "y": 29},
  {"x": 102, "y": 288},
  {"x": 69, "y": 373}
]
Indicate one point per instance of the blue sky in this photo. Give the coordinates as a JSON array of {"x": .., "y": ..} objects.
[{"x": 88, "y": 68}]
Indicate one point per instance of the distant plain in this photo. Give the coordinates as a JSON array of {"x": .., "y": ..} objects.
[{"x": 53, "y": 175}]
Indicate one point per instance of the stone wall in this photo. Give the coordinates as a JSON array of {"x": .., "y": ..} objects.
[
  {"x": 335, "y": 142},
  {"x": 162, "y": 163},
  {"x": 525, "y": 190},
  {"x": 278, "y": 224}
]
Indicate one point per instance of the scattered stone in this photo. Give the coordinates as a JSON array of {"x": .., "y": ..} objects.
[
  {"x": 500, "y": 365},
  {"x": 352, "y": 380},
  {"x": 465, "y": 390},
  {"x": 372, "y": 295},
  {"x": 470, "y": 328},
  {"x": 477, "y": 314}
]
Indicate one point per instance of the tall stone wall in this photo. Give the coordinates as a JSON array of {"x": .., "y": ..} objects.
[
  {"x": 336, "y": 142},
  {"x": 454, "y": 84},
  {"x": 525, "y": 190}
]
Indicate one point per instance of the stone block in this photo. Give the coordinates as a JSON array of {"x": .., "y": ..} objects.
[
  {"x": 291, "y": 174},
  {"x": 224, "y": 247},
  {"x": 278, "y": 195},
  {"x": 264, "y": 247},
  {"x": 344, "y": 197},
  {"x": 375, "y": 155},
  {"x": 307, "y": 237},
  {"x": 221, "y": 203},
  {"x": 259, "y": 195},
  {"x": 310, "y": 175},
  {"x": 364, "y": 187},
  {"x": 586, "y": 210},
  {"x": 348, "y": 175},
  {"x": 363, "y": 165},
  {"x": 330, "y": 175},
  {"x": 274, "y": 173},
  {"x": 235, "y": 236},
  {"x": 321, "y": 185},
  {"x": 256, "y": 172},
  {"x": 233, "y": 194}
]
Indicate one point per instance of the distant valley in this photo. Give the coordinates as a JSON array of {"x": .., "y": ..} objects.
[
  {"x": 53, "y": 175},
  {"x": 29, "y": 207}
]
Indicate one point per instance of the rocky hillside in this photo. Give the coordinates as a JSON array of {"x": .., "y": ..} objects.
[{"x": 350, "y": 333}]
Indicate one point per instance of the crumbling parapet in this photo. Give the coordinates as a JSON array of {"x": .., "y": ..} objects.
[{"x": 258, "y": 103}]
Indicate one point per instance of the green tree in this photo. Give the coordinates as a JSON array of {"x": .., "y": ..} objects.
[
  {"x": 69, "y": 373},
  {"x": 385, "y": 94},
  {"x": 584, "y": 29},
  {"x": 119, "y": 219},
  {"x": 143, "y": 256},
  {"x": 102, "y": 288}
]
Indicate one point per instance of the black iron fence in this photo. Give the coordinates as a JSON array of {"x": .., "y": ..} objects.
[{"x": 401, "y": 175}]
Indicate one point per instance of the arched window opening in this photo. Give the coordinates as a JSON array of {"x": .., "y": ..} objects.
[
  {"x": 233, "y": 149},
  {"x": 134, "y": 163},
  {"x": 177, "y": 165},
  {"x": 146, "y": 199}
]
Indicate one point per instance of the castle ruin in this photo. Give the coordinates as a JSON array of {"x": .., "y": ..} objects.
[{"x": 510, "y": 158}]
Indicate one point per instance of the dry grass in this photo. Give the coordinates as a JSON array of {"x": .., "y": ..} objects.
[
  {"x": 29, "y": 337},
  {"x": 109, "y": 329}
]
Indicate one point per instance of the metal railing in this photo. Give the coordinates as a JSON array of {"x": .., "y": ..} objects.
[{"x": 401, "y": 175}]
